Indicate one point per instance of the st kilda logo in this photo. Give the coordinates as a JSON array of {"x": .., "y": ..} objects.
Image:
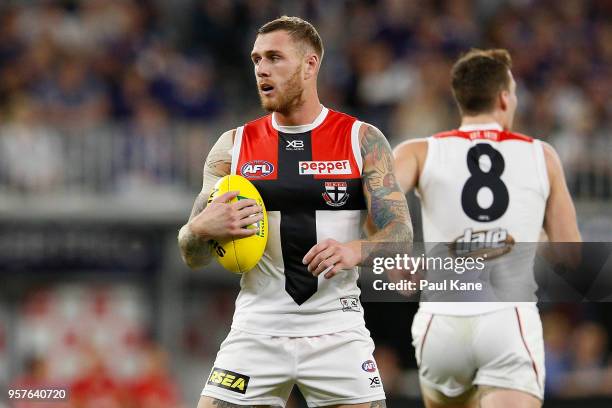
[{"x": 335, "y": 194}]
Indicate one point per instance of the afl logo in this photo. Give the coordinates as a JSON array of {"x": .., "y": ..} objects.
[
  {"x": 257, "y": 169},
  {"x": 369, "y": 366}
]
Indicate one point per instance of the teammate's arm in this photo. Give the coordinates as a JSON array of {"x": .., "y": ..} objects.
[
  {"x": 215, "y": 219},
  {"x": 560, "y": 222},
  {"x": 560, "y": 218},
  {"x": 409, "y": 159},
  {"x": 387, "y": 209}
]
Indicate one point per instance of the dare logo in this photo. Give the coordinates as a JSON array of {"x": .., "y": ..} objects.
[
  {"x": 229, "y": 380},
  {"x": 257, "y": 169},
  {"x": 489, "y": 244}
]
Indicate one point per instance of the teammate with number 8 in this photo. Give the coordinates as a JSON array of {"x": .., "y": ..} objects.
[{"x": 484, "y": 180}]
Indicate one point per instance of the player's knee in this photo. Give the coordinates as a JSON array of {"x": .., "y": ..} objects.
[{"x": 205, "y": 402}]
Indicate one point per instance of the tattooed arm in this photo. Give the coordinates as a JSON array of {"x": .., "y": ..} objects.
[
  {"x": 388, "y": 216},
  {"x": 215, "y": 220}
]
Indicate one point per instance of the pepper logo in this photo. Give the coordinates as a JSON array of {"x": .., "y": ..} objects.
[
  {"x": 228, "y": 380},
  {"x": 324, "y": 167}
]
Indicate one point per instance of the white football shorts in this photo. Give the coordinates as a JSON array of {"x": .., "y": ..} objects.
[
  {"x": 330, "y": 369},
  {"x": 502, "y": 349}
]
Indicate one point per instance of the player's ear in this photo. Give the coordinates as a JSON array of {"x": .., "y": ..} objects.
[
  {"x": 311, "y": 65},
  {"x": 503, "y": 99}
]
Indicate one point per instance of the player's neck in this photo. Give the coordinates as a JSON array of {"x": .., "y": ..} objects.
[
  {"x": 482, "y": 119},
  {"x": 303, "y": 115}
]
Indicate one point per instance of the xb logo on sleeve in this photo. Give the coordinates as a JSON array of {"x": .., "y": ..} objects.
[{"x": 229, "y": 380}]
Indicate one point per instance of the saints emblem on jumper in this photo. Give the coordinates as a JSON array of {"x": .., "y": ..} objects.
[{"x": 335, "y": 193}]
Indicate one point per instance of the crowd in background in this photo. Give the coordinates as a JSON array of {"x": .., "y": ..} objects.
[
  {"x": 117, "y": 94},
  {"x": 137, "y": 68}
]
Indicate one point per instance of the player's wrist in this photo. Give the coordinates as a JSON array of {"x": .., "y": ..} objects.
[
  {"x": 198, "y": 232},
  {"x": 355, "y": 247}
]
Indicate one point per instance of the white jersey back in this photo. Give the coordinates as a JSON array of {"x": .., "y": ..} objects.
[{"x": 480, "y": 182}]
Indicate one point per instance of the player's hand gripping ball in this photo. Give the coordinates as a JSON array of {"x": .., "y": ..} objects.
[{"x": 240, "y": 255}]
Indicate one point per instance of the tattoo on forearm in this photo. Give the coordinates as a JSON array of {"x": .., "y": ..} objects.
[
  {"x": 378, "y": 404},
  {"x": 196, "y": 251},
  {"x": 387, "y": 204},
  {"x": 198, "y": 205},
  {"x": 218, "y": 166}
]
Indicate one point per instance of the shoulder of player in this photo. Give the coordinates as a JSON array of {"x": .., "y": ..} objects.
[
  {"x": 228, "y": 134},
  {"x": 369, "y": 133},
  {"x": 373, "y": 144},
  {"x": 553, "y": 162},
  {"x": 260, "y": 121},
  {"x": 411, "y": 148},
  {"x": 219, "y": 158}
]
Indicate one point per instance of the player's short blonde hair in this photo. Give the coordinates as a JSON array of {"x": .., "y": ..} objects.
[{"x": 298, "y": 29}]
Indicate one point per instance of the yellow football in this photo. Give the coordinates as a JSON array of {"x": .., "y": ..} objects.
[{"x": 242, "y": 254}]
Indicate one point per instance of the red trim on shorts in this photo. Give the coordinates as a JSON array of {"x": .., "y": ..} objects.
[
  {"x": 425, "y": 338},
  {"x": 533, "y": 364}
]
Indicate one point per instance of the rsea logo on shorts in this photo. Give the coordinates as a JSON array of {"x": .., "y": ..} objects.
[
  {"x": 324, "y": 167},
  {"x": 257, "y": 169},
  {"x": 369, "y": 366},
  {"x": 229, "y": 380}
]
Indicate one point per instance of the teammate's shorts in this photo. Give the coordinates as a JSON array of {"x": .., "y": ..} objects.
[
  {"x": 502, "y": 349},
  {"x": 338, "y": 368}
]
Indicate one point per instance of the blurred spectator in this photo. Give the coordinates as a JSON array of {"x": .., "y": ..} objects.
[
  {"x": 96, "y": 387},
  {"x": 556, "y": 328},
  {"x": 588, "y": 372},
  {"x": 154, "y": 388},
  {"x": 148, "y": 149},
  {"x": 190, "y": 93},
  {"x": 31, "y": 153},
  {"x": 73, "y": 98}
]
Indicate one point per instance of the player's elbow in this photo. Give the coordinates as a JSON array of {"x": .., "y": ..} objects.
[
  {"x": 400, "y": 232},
  {"x": 194, "y": 260},
  {"x": 193, "y": 263},
  {"x": 194, "y": 253}
]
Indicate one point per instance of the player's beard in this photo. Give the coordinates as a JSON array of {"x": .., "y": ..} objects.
[{"x": 287, "y": 100}]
